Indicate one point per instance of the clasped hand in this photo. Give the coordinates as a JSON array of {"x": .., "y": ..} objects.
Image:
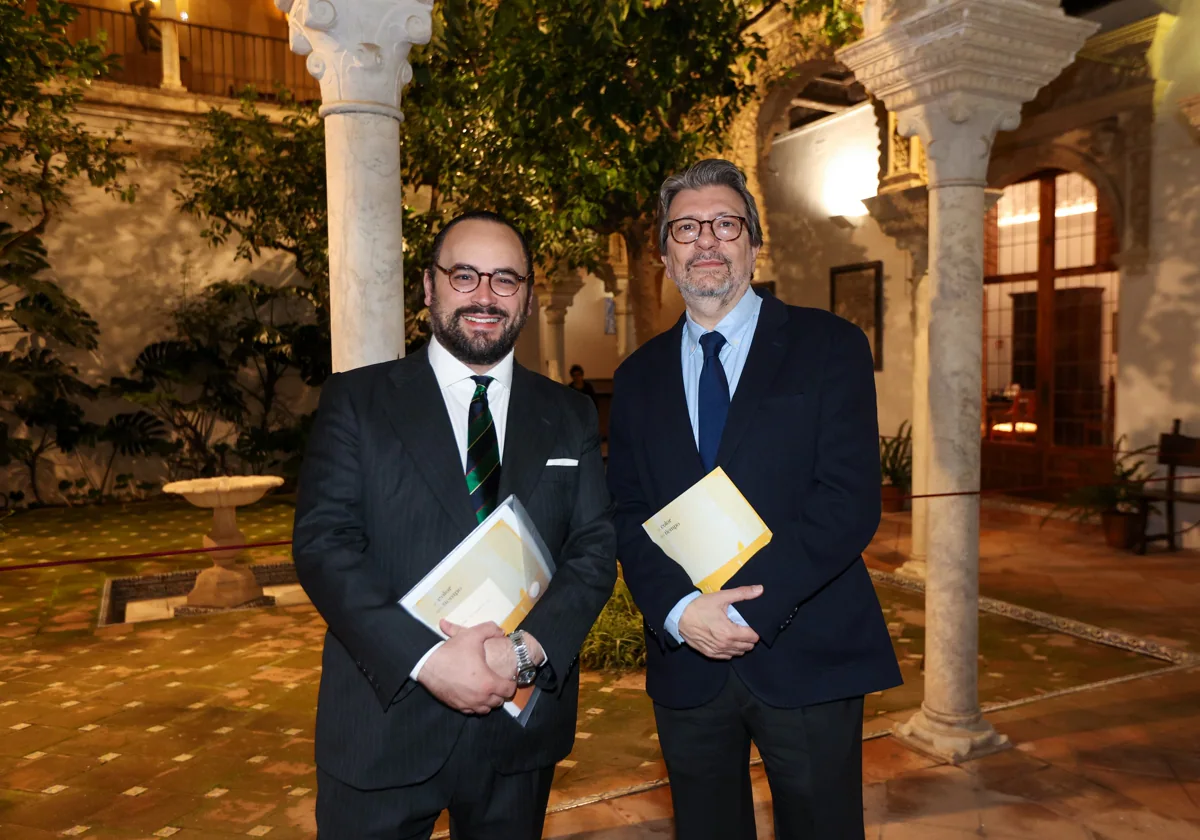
[
  {"x": 476, "y": 669},
  {"x": 706, "y": 627}
]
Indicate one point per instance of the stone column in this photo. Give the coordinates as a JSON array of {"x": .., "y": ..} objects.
[
  {"x": 358, "y": 51},
  {"x": 554, "y": 299},
  {"x": 903, "y": 215},
  {"x": 619, "y": 263},
  {"x": 170, "y": 45},
  {"x": 955, "y": 72}
]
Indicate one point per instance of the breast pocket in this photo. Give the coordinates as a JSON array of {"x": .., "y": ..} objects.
[{"x": 560, "y": 473}]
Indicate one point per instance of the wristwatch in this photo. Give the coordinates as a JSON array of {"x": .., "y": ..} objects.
[{"x": 526, "y": 670}]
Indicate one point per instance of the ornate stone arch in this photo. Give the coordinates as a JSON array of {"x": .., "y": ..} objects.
[
  {"x": 1008, "y": 169},
  {"x": 1113, "y": 153},
  {"x": 796, "y": 54}
]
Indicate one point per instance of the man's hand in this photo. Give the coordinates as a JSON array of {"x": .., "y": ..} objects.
[
  {"x": 501, "y": 657},
  {"x": 458, "y": 672},
  {"x": 706, "y": 627}
]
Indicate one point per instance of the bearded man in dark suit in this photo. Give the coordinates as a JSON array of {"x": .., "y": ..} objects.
[{"x": 405, "y": 458}]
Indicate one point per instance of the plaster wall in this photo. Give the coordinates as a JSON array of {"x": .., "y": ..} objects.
[{"x": 822, "y": 170}]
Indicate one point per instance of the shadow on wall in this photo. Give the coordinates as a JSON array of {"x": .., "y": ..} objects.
[{"x": 1160, "y": 352}]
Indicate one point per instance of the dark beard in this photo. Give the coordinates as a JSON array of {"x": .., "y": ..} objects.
[{"x": 479, "y": 350}]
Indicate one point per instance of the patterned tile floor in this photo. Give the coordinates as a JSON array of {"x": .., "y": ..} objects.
[{"x": 202, "y": 727}]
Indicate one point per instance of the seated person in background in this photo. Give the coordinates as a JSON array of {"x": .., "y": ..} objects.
[{"x": 580, "y": 384}]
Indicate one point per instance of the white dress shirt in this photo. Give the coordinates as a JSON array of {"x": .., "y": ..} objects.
[{"x": 457, "y": 387}]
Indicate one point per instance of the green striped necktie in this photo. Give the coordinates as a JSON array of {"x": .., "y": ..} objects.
[{"x": 483, "y": 452}]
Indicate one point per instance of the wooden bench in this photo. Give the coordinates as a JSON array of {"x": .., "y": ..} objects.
[{"x": 1174, "y": 450}]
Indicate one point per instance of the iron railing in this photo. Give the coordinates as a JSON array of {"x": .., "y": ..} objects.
[
  {"x": 134, "y": 40},
  {"x": 222, "y": 62},
  {"x": 212, "y": 61}
]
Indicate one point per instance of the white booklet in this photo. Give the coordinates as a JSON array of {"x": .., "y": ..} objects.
[
  {"x": 497, "y": 573},
  {"x": 710, "y": 530}
]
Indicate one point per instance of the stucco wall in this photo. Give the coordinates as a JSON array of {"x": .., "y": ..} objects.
[
  {"x": 1159, "y": 359},
  {"x": 823, "y": 170}
]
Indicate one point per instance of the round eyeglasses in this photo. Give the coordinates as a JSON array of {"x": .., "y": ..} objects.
[
  {"x": 726, "y": 228},
  {"x": 465, "y": 278}
]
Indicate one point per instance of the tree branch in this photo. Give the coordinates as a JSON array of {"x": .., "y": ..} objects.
[{"x": 760, "y": 14}]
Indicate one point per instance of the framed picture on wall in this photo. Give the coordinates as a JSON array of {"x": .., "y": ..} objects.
[{"x": 856, "y": 294}]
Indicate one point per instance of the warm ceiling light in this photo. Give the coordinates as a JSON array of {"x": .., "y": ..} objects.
[
  {"x": 1023, "y": 427},
  {"x": 1060, "y": 212}
]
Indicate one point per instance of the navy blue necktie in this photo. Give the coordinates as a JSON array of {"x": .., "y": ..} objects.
[{"x": 713, "y": 403}]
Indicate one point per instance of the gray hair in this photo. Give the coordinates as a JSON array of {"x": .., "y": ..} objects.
[{"x": 712, "y": 172}]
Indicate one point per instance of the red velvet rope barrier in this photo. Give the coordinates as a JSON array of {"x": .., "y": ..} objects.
[{"x": 150, "y": 555}]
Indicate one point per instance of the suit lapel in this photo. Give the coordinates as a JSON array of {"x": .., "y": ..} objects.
[
  {"x": 529, "y": 436},
  {"x": 767, "y": 353},
  {"x": 417, "y": 412},
  {"x": 675, "y": 441}
]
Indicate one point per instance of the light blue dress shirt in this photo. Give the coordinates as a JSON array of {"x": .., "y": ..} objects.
[{"x": 738, "y": 328}]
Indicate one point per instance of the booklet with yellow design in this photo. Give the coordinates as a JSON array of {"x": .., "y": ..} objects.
[
  {"x": 710, "y": 530},
  {"x": 497, "y": 573}
]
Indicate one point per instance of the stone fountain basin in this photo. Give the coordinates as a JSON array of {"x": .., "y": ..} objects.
[{"x": 227, "y": 491}]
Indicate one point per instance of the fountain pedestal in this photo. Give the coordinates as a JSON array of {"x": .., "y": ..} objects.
[{"x": 228, "y": 583}]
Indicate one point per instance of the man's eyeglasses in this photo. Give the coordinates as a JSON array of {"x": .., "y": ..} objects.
[
  {"x": 726, "y": 228},
  {"x": 464, "y": 278}
]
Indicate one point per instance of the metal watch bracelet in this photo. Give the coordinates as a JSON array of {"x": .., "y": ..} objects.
[{"x": 526, "y": 670}]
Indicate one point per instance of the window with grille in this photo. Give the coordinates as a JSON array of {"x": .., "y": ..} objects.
[{"x": 1050, "y": 310}]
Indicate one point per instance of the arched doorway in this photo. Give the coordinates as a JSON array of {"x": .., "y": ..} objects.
[{"x": 1050, "y": 348}]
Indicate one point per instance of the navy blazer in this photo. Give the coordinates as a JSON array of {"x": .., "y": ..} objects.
[{"x": 802, "y": 444}]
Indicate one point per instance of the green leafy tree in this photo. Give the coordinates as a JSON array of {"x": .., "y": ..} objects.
[
  {"x": 47, "y": 405},
  {"x": 45, "y": 149},
  {"x": 221, "y": 384},
  {"x": 564, "y": 115},
  {"x": 603, "y": 99},
  {"x": 191, "y": 388}
]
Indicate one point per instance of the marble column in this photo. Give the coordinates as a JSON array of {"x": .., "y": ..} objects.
[
  {"x": 554, "y": 299},
  {"x": 618, "y": 287},
  {"x": 169, "y": 11},
  {"x": 358, "y": 51},
  {"x": 956, "y": 72},
  {"x": 903, "y": 215}
]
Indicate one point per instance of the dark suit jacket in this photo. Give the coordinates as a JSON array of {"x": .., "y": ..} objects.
[
  {"x": 801, "y": 443},
  {"x": 382, "y": 499}
]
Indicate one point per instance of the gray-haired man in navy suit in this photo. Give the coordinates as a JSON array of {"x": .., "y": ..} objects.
[{"x": 783, "y": 399}]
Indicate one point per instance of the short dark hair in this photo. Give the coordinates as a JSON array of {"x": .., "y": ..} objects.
[
  {"x": 575, "y": 368},
  {"x": 712, "y": 172},
  {"x": 484, "y": 216}
]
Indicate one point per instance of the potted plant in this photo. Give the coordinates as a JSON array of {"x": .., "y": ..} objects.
[
  {"x": 1115, "y": 503},
  {"x": 895, "y": 463}
]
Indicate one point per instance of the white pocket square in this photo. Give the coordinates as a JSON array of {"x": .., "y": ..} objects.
[{"x": 563, "y": 462}]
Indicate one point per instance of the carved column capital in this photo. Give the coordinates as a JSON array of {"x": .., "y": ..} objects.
[
  {"x": 556, "y": 295},
  {"x": 904, "y": 216},
  {"x": 958, "y": 71},
  {"x": 358, "y": 49}
]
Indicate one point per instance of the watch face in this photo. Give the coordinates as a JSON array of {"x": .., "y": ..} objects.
[{"x": 526, "y": 678}]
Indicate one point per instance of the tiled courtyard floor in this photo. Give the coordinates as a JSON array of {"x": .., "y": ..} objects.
[{"x": 202, "y": 727}]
